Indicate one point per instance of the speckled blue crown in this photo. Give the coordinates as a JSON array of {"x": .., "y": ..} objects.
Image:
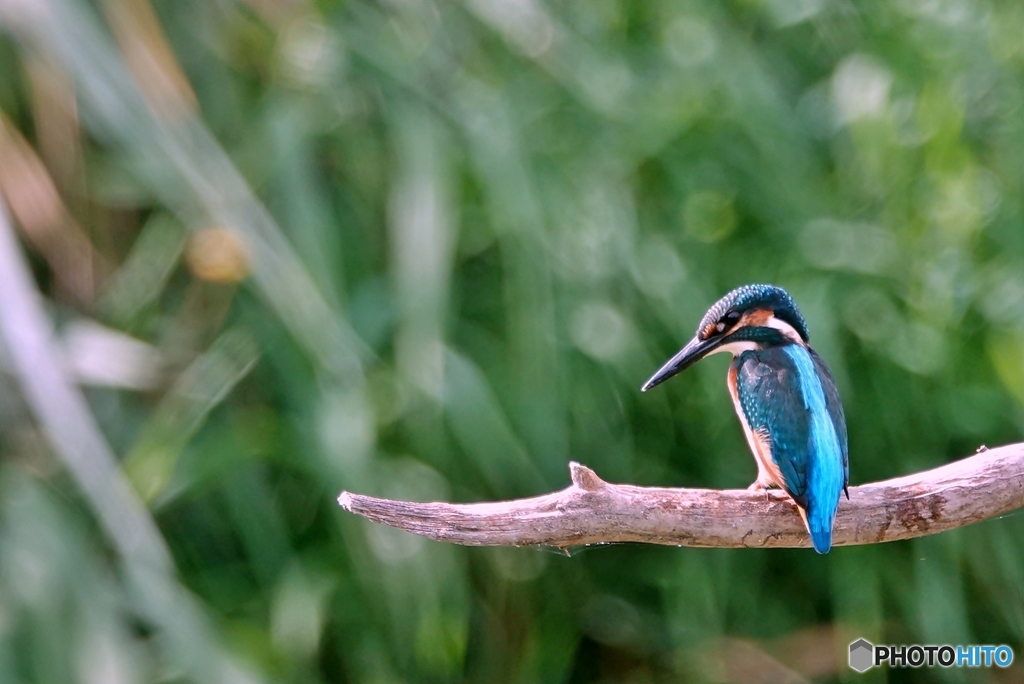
[{"x": 758, "y": 296}]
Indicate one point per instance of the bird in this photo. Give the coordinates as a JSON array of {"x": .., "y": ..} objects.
[{"x": 785, "y": 398}]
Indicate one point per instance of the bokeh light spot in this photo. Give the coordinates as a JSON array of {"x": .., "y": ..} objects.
[
  {"x": 840, "y": 245},
  {"x": 689, "y": 40},
  {"x": 657, "y": 268},
  {"x": 599, "y": 330},
  {"x": 708, "y": 215},
  {"x": 218, "y": 255},
  {"x": 860, "y": 88}
]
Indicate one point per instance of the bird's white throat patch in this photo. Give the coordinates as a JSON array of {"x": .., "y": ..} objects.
[
  {"x": 786, "y": 329},
  {"x": 738, "y": 347}
]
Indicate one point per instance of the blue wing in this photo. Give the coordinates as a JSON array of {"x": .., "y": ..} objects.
[
  {"x": 835, "y": 410},
  {"x": 787, "y": 394},
  {"x": 767, "y": 385}
]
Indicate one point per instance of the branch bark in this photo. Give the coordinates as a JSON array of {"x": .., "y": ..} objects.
[{"x": 592, "y": 511}]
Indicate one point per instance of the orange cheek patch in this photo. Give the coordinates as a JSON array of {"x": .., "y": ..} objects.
[
  {"x": 757, "y": 317},
  {"x": 709, "y": 330}
]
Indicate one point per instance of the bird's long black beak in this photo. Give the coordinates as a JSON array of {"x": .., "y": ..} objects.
[{"x": 695, "y": 350}]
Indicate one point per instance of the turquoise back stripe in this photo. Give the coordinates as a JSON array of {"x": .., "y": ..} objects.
[{"x": 825, "y": 469}]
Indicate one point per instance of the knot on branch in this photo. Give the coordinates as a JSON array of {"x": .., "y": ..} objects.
[{"x": 585, "y": 478}]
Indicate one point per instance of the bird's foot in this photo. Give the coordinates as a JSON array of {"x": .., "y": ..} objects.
[{"x": 757, "y": 485}]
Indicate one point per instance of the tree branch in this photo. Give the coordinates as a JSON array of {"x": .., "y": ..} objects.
[{"x": 592, "y": 511}]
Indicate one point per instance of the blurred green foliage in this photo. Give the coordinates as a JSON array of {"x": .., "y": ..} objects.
[{"x": 488, "y": 223}]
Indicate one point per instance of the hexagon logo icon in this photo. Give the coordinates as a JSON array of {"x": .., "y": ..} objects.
[{"x": 862, "y": 655}]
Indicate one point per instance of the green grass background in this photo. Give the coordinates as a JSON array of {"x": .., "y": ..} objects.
[{"x": 473, "y": 229}]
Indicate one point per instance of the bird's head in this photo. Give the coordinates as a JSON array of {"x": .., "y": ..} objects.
[{"x": 749, "y": 317}]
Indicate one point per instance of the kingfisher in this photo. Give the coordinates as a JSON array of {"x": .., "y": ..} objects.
[{"x": 785, "y": 398}]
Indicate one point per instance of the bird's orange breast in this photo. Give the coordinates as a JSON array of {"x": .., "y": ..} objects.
[{"x": 768, "y": 472}]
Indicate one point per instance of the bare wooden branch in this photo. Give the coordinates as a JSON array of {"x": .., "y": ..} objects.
[{"x": 592, "y": 511}]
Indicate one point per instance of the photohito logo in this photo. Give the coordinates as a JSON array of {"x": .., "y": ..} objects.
[{"x": 864, "y": 655}]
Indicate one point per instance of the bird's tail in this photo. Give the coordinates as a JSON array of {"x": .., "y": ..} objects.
[{"x": 818, "y": 519}]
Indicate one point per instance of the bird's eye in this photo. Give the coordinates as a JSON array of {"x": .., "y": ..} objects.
[{"x": 727, "y": 321}]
